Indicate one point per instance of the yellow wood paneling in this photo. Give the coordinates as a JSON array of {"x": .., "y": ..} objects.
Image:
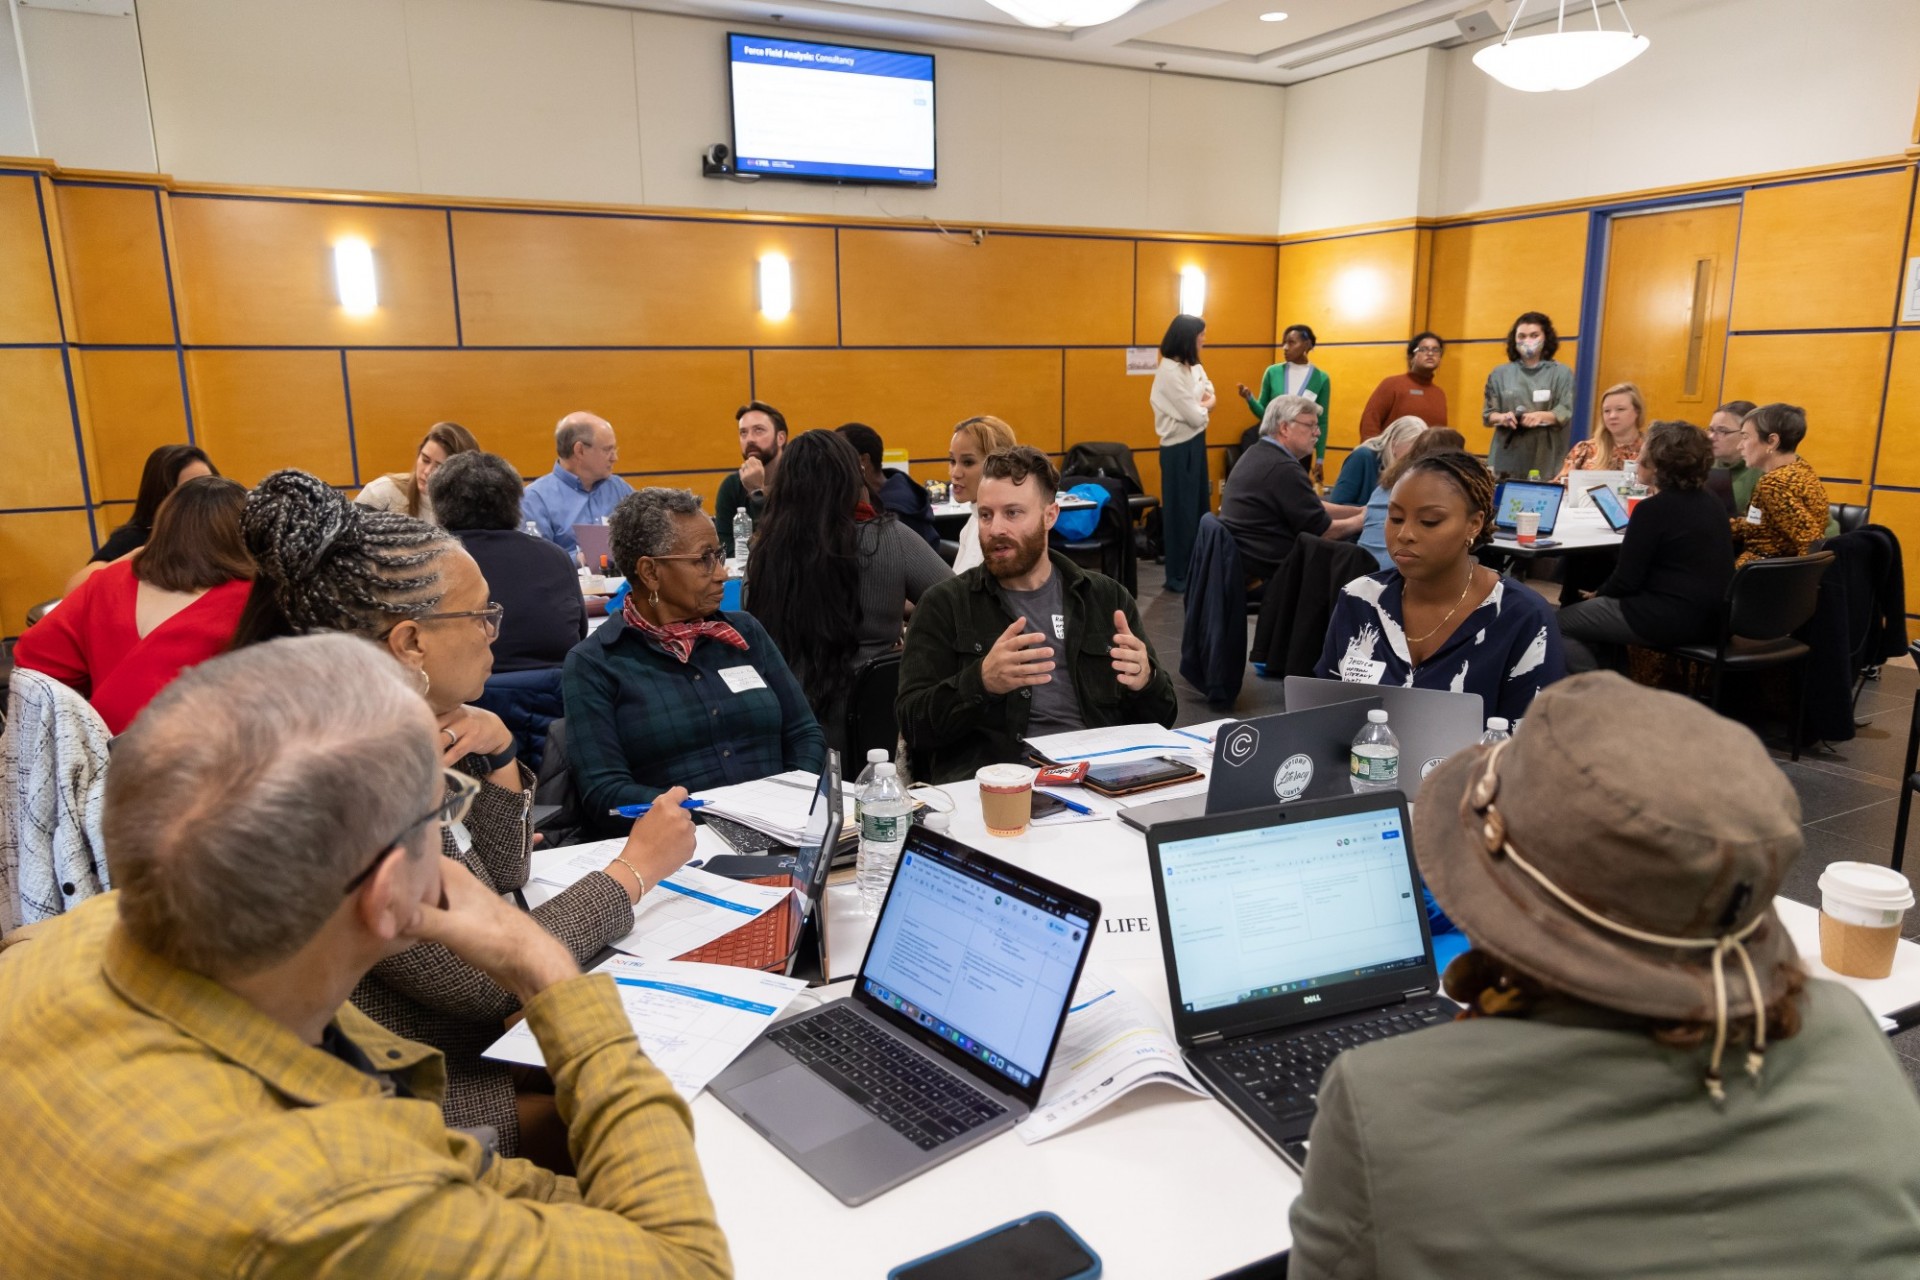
[
  {"x": 549, "y": 281},
  {"x": 1240, "y": 290},
  {"x": 38, "y": 550},
  {"x": 1463, "y": 376},
  {"x": 1899, "y": 461},
  {"x": 1482, "y": 276},
  {"x": 1837, "y": 492},
  {"x": 1103, "y": 403},
  {"x": 1842, "y": 404},
  {"x": 671, "y": 410},
  {"x": 912, "y": 288},
  {"x": 28, "y": 312},
  {"x": 131, "y": 406},
  {"x": 1822, "y": 255},
  {"x": 913, "y": 398},
  {"x": 256, "y": 412},
  {"x": 1900, "y": 512},
  {"x": 1654, "y": 262},
  {"x": 1352, "y": 374},
  {"x": 1913, "y": 245},
  {"x": 260, "y": 273},
  {"x": 115, "y": 264},
  {"x": 1353, "y": 289},
  {"x": 39, "y": 465}
]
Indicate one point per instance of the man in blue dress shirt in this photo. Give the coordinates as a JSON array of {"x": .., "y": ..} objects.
[{"x": 581, "y": 488}]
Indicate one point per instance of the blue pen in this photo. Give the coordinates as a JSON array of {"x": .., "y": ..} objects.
[
  {"x": 1062, "y": 800},
  {"x": 640, "y": 810}
]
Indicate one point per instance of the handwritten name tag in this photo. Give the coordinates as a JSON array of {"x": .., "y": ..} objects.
[{"x": 741, "y": 679}]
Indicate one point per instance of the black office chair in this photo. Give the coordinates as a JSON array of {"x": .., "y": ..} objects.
[
  {"x": 564, "y": 820},
  {"x": 870, "y": 719},
  {"x": 1848, "y": 515},
  {"x": 1767, "y": 602},
  {"x": 1909, "y": 779},
  {"x": 1112, "y": 459}
]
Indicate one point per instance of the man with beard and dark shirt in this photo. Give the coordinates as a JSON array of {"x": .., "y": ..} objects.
[
  {"x": 763, "y": 434},
  {"x": 1026, "y": 643}
]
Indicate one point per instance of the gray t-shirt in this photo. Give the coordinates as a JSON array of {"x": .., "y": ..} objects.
[{"x": 1055, "y": 708}]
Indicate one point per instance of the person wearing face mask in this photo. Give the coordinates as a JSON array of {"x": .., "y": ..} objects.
[
  {"x": 1412, "y": 394},
  {"x": 973, "y": 442},
  {"x": 325, "y": 564},
  {"x": 1439, "y": 619},
  {"x": 1026, "y": 644},
  {"x": 1529, "y": 402}
]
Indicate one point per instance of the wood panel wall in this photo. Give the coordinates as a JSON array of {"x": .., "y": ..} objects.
[{"x": 133, "y": 314}]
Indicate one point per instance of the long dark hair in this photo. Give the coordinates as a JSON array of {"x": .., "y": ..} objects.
[
  {"x": 161, "y": 476},
  {"x": 803, "y": 574},
  {"x": 1182, "y": 343},
  {"x": 196, "y": 543}
]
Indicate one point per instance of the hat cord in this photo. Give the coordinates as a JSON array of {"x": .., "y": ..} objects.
[{"x": 1733, "y": 942}]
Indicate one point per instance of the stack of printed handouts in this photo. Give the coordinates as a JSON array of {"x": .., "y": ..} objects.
[
  {"x": 689, "y": 909},
  {"x": 777, "y": 806},
  {"x": 1113, "y": 1043},
  {"x": 692, "y": 1019}
]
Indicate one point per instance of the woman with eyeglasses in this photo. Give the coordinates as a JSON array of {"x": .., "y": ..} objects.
[
  {"x": 672, "y": 690},
  {"x": 325, "y": 564}
]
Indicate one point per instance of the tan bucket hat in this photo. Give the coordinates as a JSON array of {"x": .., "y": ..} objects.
[{"x": 1624, "y": 847}]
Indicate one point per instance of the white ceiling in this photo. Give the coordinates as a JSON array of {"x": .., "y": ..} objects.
[{"x": 1220, "y": 38}]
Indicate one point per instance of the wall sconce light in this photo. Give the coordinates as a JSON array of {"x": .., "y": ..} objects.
[
  {"x": 1193, "y": 291},
  {"x": 353, "y": 276},
  {"x": 776, "y": 286}
]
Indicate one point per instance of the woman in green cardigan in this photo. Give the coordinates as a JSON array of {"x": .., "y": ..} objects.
[{"x": 1295, "y": 377}]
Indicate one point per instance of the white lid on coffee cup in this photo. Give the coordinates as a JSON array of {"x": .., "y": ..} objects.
[
  {"x": 1005, "y": 775},
  {"x": 1863, "y": 893}
]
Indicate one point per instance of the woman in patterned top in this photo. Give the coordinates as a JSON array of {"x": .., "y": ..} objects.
[
  {"x": 329, "y": 565},
  {"x": 1789, "y": 508},
  {"x": 1623, "y": 420},
  {"x": 1439, "y": 619}
]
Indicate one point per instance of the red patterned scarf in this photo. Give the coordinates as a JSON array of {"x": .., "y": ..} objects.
[{"x": 678, "y": 638}]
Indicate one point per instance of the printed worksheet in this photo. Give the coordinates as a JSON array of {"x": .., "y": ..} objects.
[
  {"x": 1113, "y": 1043},
  {"x": 692, "y": 1019},
  {"x": 689, "y": 909}
]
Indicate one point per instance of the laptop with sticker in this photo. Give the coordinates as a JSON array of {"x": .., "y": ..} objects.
[{"x": 1431, "y": 724}]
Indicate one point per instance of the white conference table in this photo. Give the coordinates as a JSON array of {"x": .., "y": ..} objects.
[
  {"x": 961, "y": 510},
  {"x": 1579, "y": 530},
  {"x": 1161, "y": 1184}
]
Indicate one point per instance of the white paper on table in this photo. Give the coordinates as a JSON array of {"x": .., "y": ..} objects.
[
  {"x": 1205, "y": 732},
  {"x": 1118, "y": 740},
  {"x": 692, "y": 1019},
  {"x": 561, "y": 867},
  {"x": 689, "y": 909},
  {"x": 778, "y": 806},
  {"x": 1113, "y": 1043}
]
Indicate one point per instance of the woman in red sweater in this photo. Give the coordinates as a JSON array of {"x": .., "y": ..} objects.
[{"x": 129, "y": 629}]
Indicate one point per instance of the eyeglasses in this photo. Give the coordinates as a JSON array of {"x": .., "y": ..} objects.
[
  {"x": 1723, "y": 431},
  {"x": 490, "y": 618},
  {"x": 1426, "y": 351},
  {"x": 454, "y": 806},
  {"x": 705, "y": 561}
]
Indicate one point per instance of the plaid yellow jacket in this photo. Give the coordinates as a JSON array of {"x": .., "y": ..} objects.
[{"x": 156, "y": 1124}]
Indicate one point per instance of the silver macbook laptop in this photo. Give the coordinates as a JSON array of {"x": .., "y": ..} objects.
[
  {"x": 1296, "y": 755},
  {"x": 947, "y": 1036},
  {"x": 1581, "y": 484},
  {"x": 1431, "y": 724}
]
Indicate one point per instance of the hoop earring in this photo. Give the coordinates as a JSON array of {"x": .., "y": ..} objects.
[
  {"x": 426, "y": 681},
  {"x": 653, "y": 599}
]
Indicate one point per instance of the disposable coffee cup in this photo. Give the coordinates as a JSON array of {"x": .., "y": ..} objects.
[
  {"x": 1862, "y": 906},
  {"x": 1526, "y": 527},
  {"x": 1006, "y": 798}
]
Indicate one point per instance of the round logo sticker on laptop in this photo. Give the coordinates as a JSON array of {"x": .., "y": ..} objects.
[
  {"x": 1431, "y": 765},
  {"x": 1295, "y": 774},
  {"x": 1240, "y": 744}
]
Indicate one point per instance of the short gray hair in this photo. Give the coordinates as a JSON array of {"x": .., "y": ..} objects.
[
  {"x": 246, "y": 796},
  {"x": 476, "y": 491},
  {"x": 576, "y": 428},
  {"x": 1284, "y": 409},
  {"x": 643, "y": 525}
]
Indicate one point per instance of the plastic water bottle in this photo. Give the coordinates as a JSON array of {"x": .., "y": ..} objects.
[
  {"x": 531, "y": 528},
  {"x": 1497, "y": 731},
  {"x": 1533, "y": 474},
  {"x": 885, "y": 813},
  {"x": 876, "y": 756},
  {"x": 742, "y": 532},
  {"x": 1375, "y": 758}
]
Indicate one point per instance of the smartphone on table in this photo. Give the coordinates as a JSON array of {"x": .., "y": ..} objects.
[
  {"x": 1036, "y": 1247},
  {"x": 1134, "y": 776}
]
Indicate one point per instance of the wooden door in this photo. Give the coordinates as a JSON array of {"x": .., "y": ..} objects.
[{"x": 1664, "y": 320}]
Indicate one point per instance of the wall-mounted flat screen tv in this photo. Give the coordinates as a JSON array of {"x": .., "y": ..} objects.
[{"x": 830, "y": 112}]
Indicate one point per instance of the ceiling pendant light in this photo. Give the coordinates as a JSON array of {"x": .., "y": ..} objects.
[
  {"x": 1066, "y": 14},
  {"x": 1560, "y": 59}
]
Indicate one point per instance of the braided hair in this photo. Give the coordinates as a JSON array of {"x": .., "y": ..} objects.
[
  {"x": 326, "y": 564},
  {"x": 1470, "y": 476}
]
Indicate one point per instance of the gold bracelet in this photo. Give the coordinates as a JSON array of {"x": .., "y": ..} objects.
[{"x": 638, "y": 879}]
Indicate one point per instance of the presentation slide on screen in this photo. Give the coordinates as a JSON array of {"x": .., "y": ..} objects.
[
  {"x": 1541, "y": 499},
  {"x": 1288, "y": 906},
  {"x": 992, "y": 967},
  {"x": 829, "y": 111}
]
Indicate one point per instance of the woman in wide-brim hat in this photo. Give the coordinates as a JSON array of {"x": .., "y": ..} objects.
[{"x": 1581, "y": 1118}]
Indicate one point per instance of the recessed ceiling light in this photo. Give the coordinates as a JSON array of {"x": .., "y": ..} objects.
[{"x": 1273, "y": 17}]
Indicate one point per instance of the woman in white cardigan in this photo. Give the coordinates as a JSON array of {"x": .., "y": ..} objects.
[{"x": 1182, "y": 399}]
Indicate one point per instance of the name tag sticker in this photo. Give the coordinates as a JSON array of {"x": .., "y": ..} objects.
[
  {"x": 1308, "y": 395},
  {"x": 1753, "y": 514},
  {"x": 1543, "y": 395},
  {"x": 1415, "y": 391},
  {"x": 741, "y": 679}
]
